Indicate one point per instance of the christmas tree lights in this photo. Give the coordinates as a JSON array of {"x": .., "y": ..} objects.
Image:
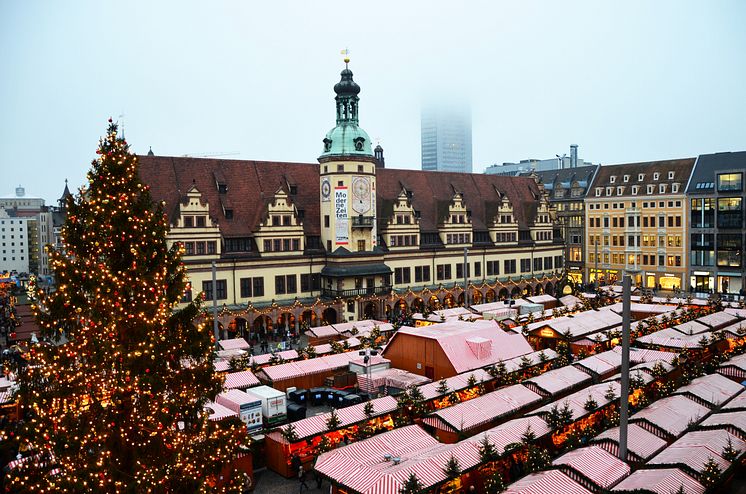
[{"x": 117, "y": 404}]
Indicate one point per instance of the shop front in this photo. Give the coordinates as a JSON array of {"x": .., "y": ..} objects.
[
  {"x": 575, "y": 274},
  {"x": 669, "y": 281},
  {"x": 729, "y": 282},
  {"x": 702, "y": 281}
]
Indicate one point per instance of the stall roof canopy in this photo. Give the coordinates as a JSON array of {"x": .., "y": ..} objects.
[
  {"x": 483, "y": 409},
  {"x": 718, "y": 320},
  {"x": 601, "y": 363},
  {"x": 218, "y": 411},
  {"x": 712, "y": 389},
  {"x": 469, "y": 345},
  {"x": 308, "y": 367},
  {"x": 691, "y": 328},
  {"x": 727, "y": 419},
  {"x": 363, "y": 467},
  {"x": 694, "y": 449},
  {"x": 544, "y": 482},
  {"x": 313, "y": 426},
  {"x": 580, "y": 324},
  {"x": 597, "y": 464},
  {"x": 671, "y": 415},
  {"x": 350, "y": 270},
  {"x": 670, "y": 338},
  {"x": 559, "y": 380},
  {"x": 641, "y": 443},
  {"x": 660, "y": 481},
  {"x": 242, "y": 379},
  {"x": 577, "y": 400},
  {"x": 454, "y": 383},
  {"x": 541, "y": 299},
  {"x": 234, "y": 344}
]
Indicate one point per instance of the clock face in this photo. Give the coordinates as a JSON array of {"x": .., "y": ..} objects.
[
  {"x": 326, "y": 190},
  {"x": 361, "y": 194}
]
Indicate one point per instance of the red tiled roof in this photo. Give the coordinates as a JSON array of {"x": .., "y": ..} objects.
[{"x": 252, "y": 184}]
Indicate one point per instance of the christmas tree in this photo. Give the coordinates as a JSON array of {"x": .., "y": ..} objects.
[
  {"x": 119, "y": 407},
  {"x": 494, "y": 484},
  {"x": 452, "y": 468},
  {"x": 710, "y": 473},
  {"x": 412, "y": 485}
]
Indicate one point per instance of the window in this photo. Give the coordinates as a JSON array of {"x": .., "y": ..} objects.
[
  {"x": 670, "y": 175},
  {"x": 730, "y": 214},
  {"x": 187, "y": 296},
  {"x": 650, "y": 189},
  {"x": 510, "y": 266},
  {"x": 245, "y": 285},
  {"x": 326, "y": 221},
  {"x": 188, "y": 248},
  {"x": 443, "y": 272},
  {"x": 730, "y": 182},
  {"x": 422, "y": 274},
  {"x": 635, "y": 189},
  {"x": 402, "y": 276},
  {"x": 285, "y": 284},
  {"x": 211, "y": 247},
  {"x": 612, "y": 179},
  {"x": 477, "y": 269},
  {"x": 258, "y": 283},
  {"x": 640, "y": 177},
  {"x": 626, "y": 178},
  {"x": 200, "y": 248},
  {"x": 267, "y": 245},
  {"x": 310, "y": 282},
  {"x": 493, "y": 268},
  {"x": 656, "y": 176},
  {"x": 201, "y": 221},
  {"x": 729, "y": 251},
  {"x": 188, "y": 222},
  {"x": 674, "y": 188},
  {"x": 525, "y": 265},
  {"x": 703, "y": 213},
  {"x": 221, "y": 292},
  {"x": 703, "y": 249}
]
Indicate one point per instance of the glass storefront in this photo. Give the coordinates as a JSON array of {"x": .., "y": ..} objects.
[
  {"x": 669, "y": 282},
  {"x": 730, "y": 283}
]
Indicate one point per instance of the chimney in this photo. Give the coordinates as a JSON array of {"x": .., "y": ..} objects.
[
  {"x": 378, "y": 154},
  {"x": 573, "y": 155}
]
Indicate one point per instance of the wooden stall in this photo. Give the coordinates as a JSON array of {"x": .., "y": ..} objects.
[{"x": 305, "y": 374}]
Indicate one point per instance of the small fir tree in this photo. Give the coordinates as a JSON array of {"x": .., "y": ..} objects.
[
  {"x": 636, "y": 381},
  {"x": 452, "y": 468},
  {"x": 442, "y": 388},
  {"x": 590, "y": 404},
  {"x": 658, "y": 369},
  {"x": 528, "y": 437},
  {"x": 412, "y": 485},
  {"x": 543, "y": 359},
  {"x": 680, "y": 490},
  {"x": 536, "y": 459},
  {"x": 290, "y": 434},
  {"x": 566, "y": 413},
  {"x": 710, "y": 473},
  {"x": 729, "y": 452},
  {"x": 610, "y": 393},
  {"x": 471, "y": 381},
  {"x": 333, "y": 422},
  {"x": 487, "y": 451},
  {"x": 553, "y": 418},
  {"x": 368, "y": 410},
  {"x": 325, "y": 444},
  {"x": 494, "y": 483}
]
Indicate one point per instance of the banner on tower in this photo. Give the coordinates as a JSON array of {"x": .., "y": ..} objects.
[{"x": 341, "y": 227}]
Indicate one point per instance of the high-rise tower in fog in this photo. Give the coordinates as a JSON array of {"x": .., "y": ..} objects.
[{"x": 446, "y": 137}]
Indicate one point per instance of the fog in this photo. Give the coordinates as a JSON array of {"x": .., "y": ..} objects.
[{"x": 627, "y": 81}]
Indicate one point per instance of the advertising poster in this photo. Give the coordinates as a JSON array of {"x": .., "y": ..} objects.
[{"x": 340, "y": 213}]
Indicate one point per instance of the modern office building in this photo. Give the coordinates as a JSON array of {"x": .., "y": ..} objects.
[
  {"x": 38, "y": 220},
  {"x": 524, "y": 167},
  {"x": 636, "y": 223},
  {"x": 716, "y": 197},
  {"x": 341, "y": 239},
  {"x": 446, "y": 137},
  {"x": 14, "y": 243},
  {"x": 567, "y": 189}
]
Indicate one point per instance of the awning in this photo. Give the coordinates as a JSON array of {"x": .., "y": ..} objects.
[{"x": 348, "y": 270}]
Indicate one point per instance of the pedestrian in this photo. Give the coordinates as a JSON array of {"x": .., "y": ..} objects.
[
  {"x": 319, "y": 479},
  {"x": 302, "y": 479}
]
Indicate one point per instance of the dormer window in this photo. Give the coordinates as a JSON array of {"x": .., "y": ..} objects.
[
  {"x": 670, "y": 175},
  {"x": 293, "y": 190},
  {"x": 626, "y": 178},
  {"x": 656, "y": 175},
  {"x": 674, "y": 188},
  {"x": 608, "y": 191},
  {"x": 620, "y": 190},
  {"x": 635, "y": 188},
  {"x": 662, "y": 188},
  {"x": 359, "y": 142},
  {"x": 640, "y": 177},
  {"x": 650, "y": 189},
  {"x": 228, "y": 214},
  {"x": 327, "y": 144},
  {"x": 599, "y": 190},
  {"x": 612, "y": 179}
]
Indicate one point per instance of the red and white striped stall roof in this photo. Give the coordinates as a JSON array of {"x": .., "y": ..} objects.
[
  {"x": 455, "y": 383},
  {"x": 222, "y": 365},
  {"x": 392, "y": 378},
  {"x": 714, "y": 439},
  {"x": 218, "y": 411},
  {"x": 234, "y": 344},
  {"x": 514, "y": 364},
  {"x": 497, "y": 305},
  {"x": 735, "y": 422},
  {"x": 718, "y": 320},
  {"x": 300, "y": 368},
  {"x": 670, "y": 338},
  {"x": 672, "y": 415},
  {"x": 641, "y": 355},
  {"x": 660, "y": 481},
  {"x": 640, "y": 443},
  {"x": 312, "y": 426},
  {"x": 691, "y": 328},
  {"x": 322, "y": 332},
  {"x": 580, "y": 324},
  {"x": 635, "y": 372},
  {"x": 735, "y": 312},
  {"x": 692, "y": 455},
  {"x": 548, "y": 481},
  {"x": 737, "y": 403},
  {"x": 712, "y": 389},
  {"x": 734, "y": 367},
  {"x": 443, "y": 314},
  {"x": 241, "y": 380},
  {"x": 576, "y": 401},
  {"x": 602, "y": 363},
  {"x": 363, "y": 467},
  {"x": 284, "y": 355},
  {"x": 511, "y": 431},
  {"x": 541, "y": 299},
  {"x": 558, "y": 380},
  {"x": 484, "y": 409},
  {"x": 600, "y": 466}
]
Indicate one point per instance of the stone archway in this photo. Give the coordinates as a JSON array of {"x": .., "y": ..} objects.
[
  {"x": 449, "y": 301},
  {"x": 489, "y": 296},
  {"x": 515, "y": 292},
  {"x": 370, "y": 310},
  {"x": 263, "y": 326},
  {"x": 241, "y": 327},
  {"x": 476, "y": 297},
  {"x": 434, "y": 303},
  {"x": 308, "y": 319},
  {"x": 417, "y": 305},
  {"x": 400, "y": 307},
  {"x": 549, "y": 288},
  {"x": 329, "y": 315},
  {"x": 503, "y": 294},
  {"x": 286, "y": 324}
]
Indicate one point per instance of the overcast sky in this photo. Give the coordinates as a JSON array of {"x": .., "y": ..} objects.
[{"x": 627, "y": 81}]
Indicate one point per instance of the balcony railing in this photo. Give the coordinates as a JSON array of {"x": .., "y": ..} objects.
[
  {"x": 363, "y": 221},
  {"x": 355, "y": 292}
]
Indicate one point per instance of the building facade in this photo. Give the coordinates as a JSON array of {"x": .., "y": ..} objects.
[
  {"x": 535, "y": 165},
  {"x": 446, "y": 138},
  {"x": 636, "y": 224},
  {"x": 567, "y": 189},
  {"x": 716, "y": 197},
  {"x": 38, "y": 220},
  {"x": 14, "y": 244},
  {"x": 343, "y": 239}
]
